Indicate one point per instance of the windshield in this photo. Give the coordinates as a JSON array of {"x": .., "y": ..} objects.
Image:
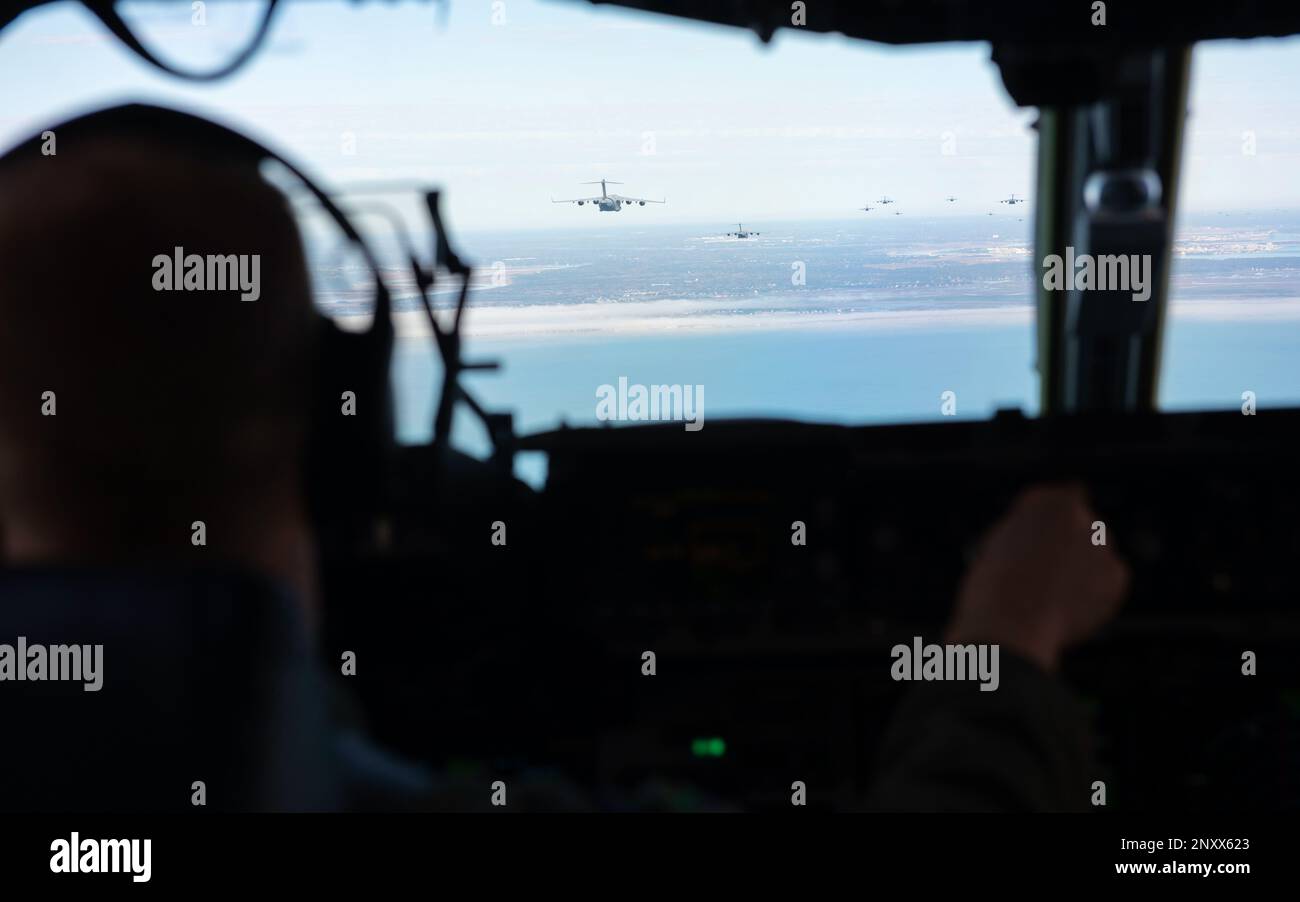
[
  {"x": 1233, "y": 327},
  {"x": 763, "y": 279}
]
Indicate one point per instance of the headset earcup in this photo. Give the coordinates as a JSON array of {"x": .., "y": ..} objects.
[{"x": 350, "y": 445}]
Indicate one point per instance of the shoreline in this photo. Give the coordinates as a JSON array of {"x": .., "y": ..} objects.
[{"x": 664, "y": 318}]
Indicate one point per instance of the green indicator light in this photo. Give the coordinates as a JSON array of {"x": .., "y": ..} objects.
[{"x": 711, "y": 747}]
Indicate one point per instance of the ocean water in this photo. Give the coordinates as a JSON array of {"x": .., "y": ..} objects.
[{"x": 863, "y": 321}]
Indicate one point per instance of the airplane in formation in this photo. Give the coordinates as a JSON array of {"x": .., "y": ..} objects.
[{"x": 606, "y": 202}]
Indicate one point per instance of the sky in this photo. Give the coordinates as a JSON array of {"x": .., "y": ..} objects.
[{"x": 506, "y": 105}]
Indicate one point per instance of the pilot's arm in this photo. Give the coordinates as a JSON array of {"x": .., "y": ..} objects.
[{"x": 1038, "y": 585}]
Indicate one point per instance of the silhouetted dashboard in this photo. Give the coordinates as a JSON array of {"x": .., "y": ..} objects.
[{"x": 775, "y": 655}]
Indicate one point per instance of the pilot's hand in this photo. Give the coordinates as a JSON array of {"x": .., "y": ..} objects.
[{"x": 1039, "y": 584}]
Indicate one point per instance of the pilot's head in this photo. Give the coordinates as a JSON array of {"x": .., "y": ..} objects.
[{"x": 135, "y": 404}]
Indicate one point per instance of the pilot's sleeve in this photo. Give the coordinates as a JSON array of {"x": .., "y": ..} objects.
[{"x": 1024, "y": 747}]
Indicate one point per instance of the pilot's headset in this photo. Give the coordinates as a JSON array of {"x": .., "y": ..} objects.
[{"x": 348, "y": 457}]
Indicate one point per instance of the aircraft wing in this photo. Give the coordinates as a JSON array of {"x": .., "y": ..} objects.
[
  {"x": 636, "y": 200},
  {"x": 574, "y": 200}
]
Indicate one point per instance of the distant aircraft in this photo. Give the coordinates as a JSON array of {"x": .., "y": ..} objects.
[
  {"x": 740, "y": 232},
  {"x": 898, "y": 212},
  {"x": 951, "y": 198},
  {"x": 884, "y": 200},
  {"x": 1012, "y": 200},
  {"x": 608, "y": 203},
  {"x": 866, "y": 209}
]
